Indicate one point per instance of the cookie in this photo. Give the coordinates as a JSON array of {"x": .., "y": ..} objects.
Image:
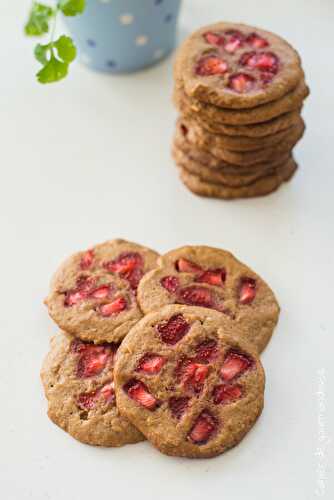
[
  {"x": 191, "y": 386},
  {"x": 219, "y": 176},
  {"x": 258, "y": 130},
  {"x": 78, "y": 384},
  {"x": 215, "y": 279},
  {"x": 237, "y": 66},
  {"x": 93, "y": 294},
  {"x": 197, "y": 135},
  {"x": 293, "y": 100},
  {"x": 261, "y": 187},
  {"x": 248, "y": 158}
]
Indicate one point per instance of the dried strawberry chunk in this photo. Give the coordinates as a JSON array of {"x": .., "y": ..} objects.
[
  {"x": 247, "y": 291},
  {"x": 101, "y": 292},
  {"x": 257, "y": 41},
  {"x": 178, "y": 406},
  {"x": 138, "y": 391},
  {"x": 151, "y": 364},
  {"x": 113, "y": 308},
  {"x": 211, "y": 65},
  {"x": 204, "y": 427},
  {"x": 186, "y": 266},
  {"x": 84, "y": 286},
  {"x": 197, "y": 296},
  {"x": 73, "y": 297},
  {"x": 108, "y": 392},
  {"x": 170, "y": 283},
  {"x": 214, "y": 38},
  {"x": 235, "y": 40},
  {"x": 129, "y": 266},
  {"x": 92, "y": 358},
  {"x": 87, "y": 260},
  {"x": 173, "y": 330},
  {"x": 87, "y": 400},
  {"x": 264, "y": 61},
  {"x": 194, "y": 375},
  {"x": 207, "y": 351},
  {"x": 214, "y": 277},
  {"x": 226, "y": 393},
  {"x": 235, "y": 364},
  {"x": 241, "y": 82}
]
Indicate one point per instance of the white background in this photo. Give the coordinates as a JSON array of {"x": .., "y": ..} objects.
[{"x": 89, "y": 159}]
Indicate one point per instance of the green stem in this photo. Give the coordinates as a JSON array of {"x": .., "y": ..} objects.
[{"x": 53, "y": 31}]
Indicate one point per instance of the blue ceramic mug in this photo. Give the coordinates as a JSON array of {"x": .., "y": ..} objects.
[{"x": 121, "y": 36}]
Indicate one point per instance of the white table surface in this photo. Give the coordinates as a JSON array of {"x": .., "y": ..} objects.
[{"x": 88, "y": 160}]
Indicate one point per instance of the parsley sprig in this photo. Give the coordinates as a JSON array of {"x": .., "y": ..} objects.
[{"x": 56, "y": 55}]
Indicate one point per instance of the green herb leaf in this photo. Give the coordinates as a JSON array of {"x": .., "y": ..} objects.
[
  {"x": 65, "y": 48},
  {"x": 53, "y": 71},
  {"x": 72, "y": 7},
  {"x": 41, "y": 53},
  {"x": 38, "y": 22}
]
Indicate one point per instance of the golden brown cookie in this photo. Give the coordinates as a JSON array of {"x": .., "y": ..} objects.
[
  {"x": 293, "y": 100},
  {"x": 219, "y": 176},
  {"x": 93, "y": 293},
  {"x": 237, "y": 66},
  {"x": 197, "y": 135},
  {"x": 215, "y": 279},
  {"x": 79, "y": 386},
  {"x": 185, "y": 379}
]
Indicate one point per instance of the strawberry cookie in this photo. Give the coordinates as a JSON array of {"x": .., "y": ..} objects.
[
  {"x": 237, "y": 66},
  {"x": 187, "y": 382},
  {"x": 93, "y": 294},
  {"x": 213, "y": 278},
  {"x": 78, "y": 383}
]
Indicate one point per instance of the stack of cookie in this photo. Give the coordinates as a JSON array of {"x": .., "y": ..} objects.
[
  {"x": 240, "y": 92},
  {"x": 163, "y": 348}
]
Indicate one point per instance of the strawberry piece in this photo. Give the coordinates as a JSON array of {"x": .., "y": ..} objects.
[
  {"x": 138, "y": 391},
  {"x": 151, "y": 364},
  {"x": 108, "y": 392},
  {"x": 211, "y": 65},
  {"x": 178, "y": 406},
  {"x": 214, "y": 38},
  {"x": 197, "y": 296},
  {"x": 214, "y": 277},
  {"x": 101, "y": 292},
  {"x": 170, "y": 283},
  {"x": 235, "y": 364},
  {"x": 112, "y": 308},
  {"x": 247, "y": 291},
  {"x": 266, "y": 77},
  {"x": 207, "y": 351},
  {"x": 87, "y": 400},
  {"x": 241, "y": 82},
  {"x": 85, "y": 283},
  {"x": 87, "y": 260},
  {"x": 234, "y": 42},
  {"x": 264, "y": 61},
  {"x": 203, "y": 428},
  {"x": 92, "y": 359},
  {"x": 194, "y": 375},
  {"x": 173, "y": 330},
  {"x": 73, "y": 297},
  {"x": 257, "y": 41},
  {"x": 186, "y": 266},
  {"x": 226, "y": 393},
  {"x": 124, "y": 263}
]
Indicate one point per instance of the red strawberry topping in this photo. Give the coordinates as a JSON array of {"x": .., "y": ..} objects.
[
  {"x": 226, "y": 393},
  {"x": 112, "y": 308},
  {"x": 234, "y": 42},
  {"x": 235, "y": 364},
  {"x": 84, "y": 286},
  {"x": 108, "y": 392},
  {"x": 241, "y": 82},
  {"x": 173, "y": 330},
  {"x": 247, "y": 291},
  {"x": 197, "y": 296},
  {"x": 203, "y": 428},
  {"x": 186, "y": 266},
  {"x": 214, "y": 38},
  {"x": 101, "y": 292},
  {"x": 214, "y": 277},
  {"x": 92, "y": 358},
  {"x": 138, "y": 391},
  {"x": 87, "y": 259},
  {"x": 207, "y": 351},
  {"x": 194, "y": 375},
  {"x": 170, "y": 283},
  {"x": 87, "y": 400},
  {"x": 257, "y": 41},
  {"x": 264, "y": 61},
  {"x": 73, "y": 297},
  {"x": 178, "y": 406},
  {"x": 211, "y": 65},
  {"x": 151, "y": 364},
  {"x": 128, "y": 265}
]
